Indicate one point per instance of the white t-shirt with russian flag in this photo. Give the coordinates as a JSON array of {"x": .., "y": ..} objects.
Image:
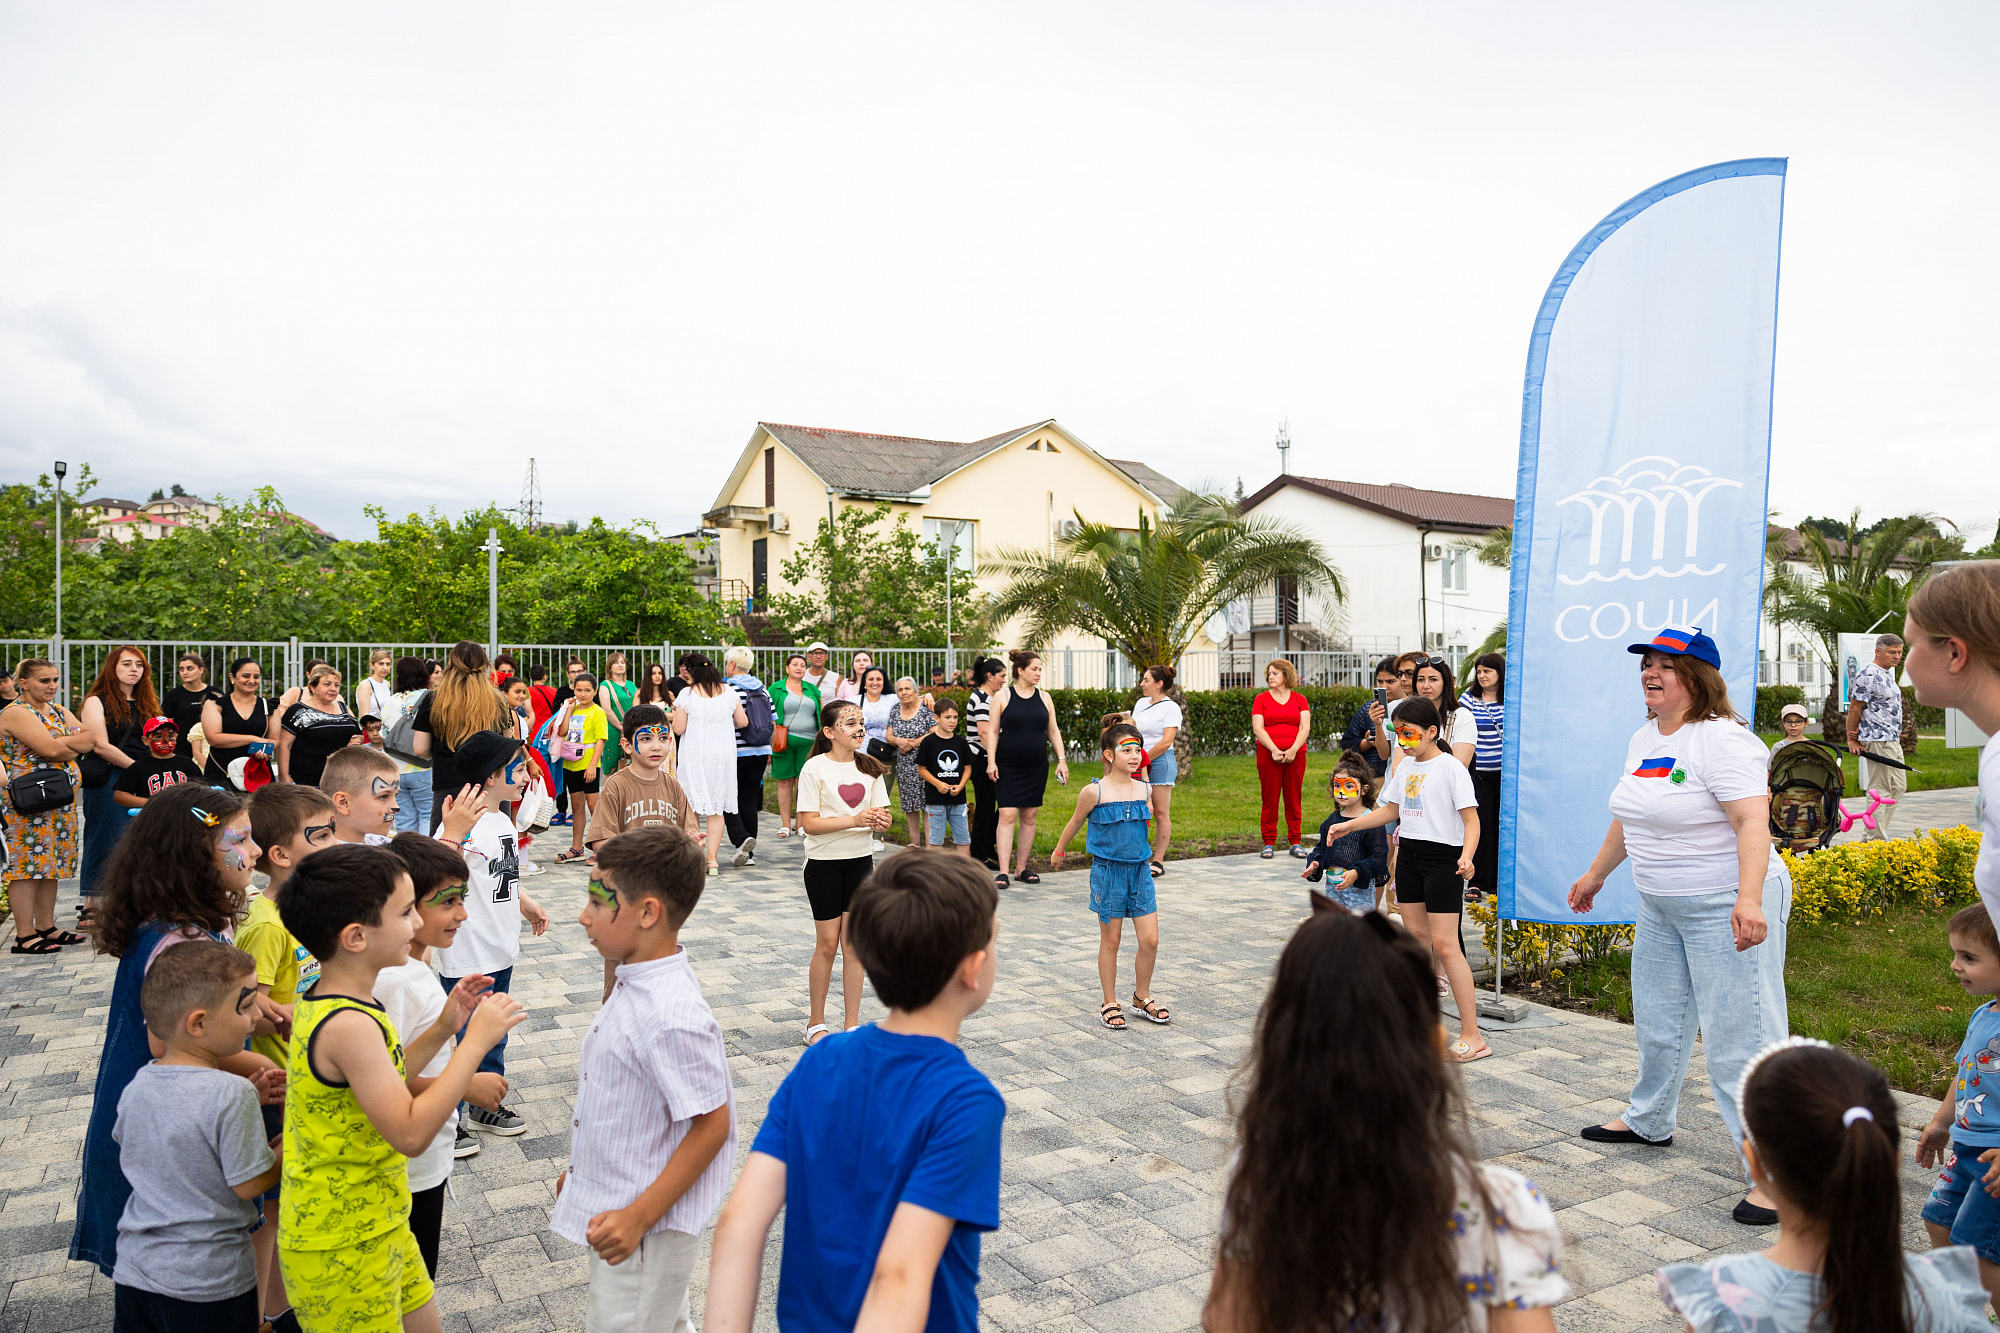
[{"x": 1669, "y": 799}]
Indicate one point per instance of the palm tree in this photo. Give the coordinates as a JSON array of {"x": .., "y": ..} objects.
[
  {"x": 1859, "y": 582},
  {"x": 1148, "y": 593}
]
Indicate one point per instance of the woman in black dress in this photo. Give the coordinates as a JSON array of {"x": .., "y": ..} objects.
[
  {"x": 233, "y": 722},
  {"x": 313, "y": 728},
  {"x": 1023, "y": 727}
]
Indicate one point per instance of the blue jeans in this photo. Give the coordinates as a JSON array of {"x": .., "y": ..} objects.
[
  {"x": 940, "y": 819},
  {"x": 495, "y": 1060},
  {"x": 104, "y": 823},
  {"x": 1686, "y": 974},
  {"x": 413, "y": 802},
  {"x": 1959, "y": 1202}
]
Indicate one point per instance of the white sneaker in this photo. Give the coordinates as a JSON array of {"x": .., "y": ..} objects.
[
  {"x": 877, "y": 845},
  {"x": 743, "y": 853},
  {"x": 1444, "y": 989}
]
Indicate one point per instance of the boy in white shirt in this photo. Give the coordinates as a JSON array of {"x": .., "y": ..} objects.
[
  {"x": 490, "y": 940},
  {"x": 654, "y": 1133},
  {"x": 410, "y": 996}
]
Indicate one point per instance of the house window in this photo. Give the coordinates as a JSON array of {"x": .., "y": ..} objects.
[
  {"x": 1452, "y": 576},
  {"x": 1035, "y": 447},
  {"x": 770, "y": 478},
  {"x": 965, "y": 544}
]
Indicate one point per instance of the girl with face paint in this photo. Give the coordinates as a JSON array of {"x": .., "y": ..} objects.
[{"x": 1351, "y": 866}]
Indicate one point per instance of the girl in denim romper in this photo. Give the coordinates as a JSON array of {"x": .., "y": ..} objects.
[{"x": 1121, "y": 881}]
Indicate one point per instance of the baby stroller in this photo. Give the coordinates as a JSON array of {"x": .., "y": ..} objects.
[{"x": 1806, "y": 785}]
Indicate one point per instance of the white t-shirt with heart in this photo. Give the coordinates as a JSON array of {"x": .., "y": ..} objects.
[{"x": 831, "y": 790}]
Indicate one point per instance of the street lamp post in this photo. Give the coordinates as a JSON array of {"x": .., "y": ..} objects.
[
  {"x": 950, "y": 559},
  {"x": 492, "y": 549},
  {"x": 62, "y": 470}
]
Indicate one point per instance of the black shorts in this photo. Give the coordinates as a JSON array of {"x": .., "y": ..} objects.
[
  {"x": 830, "y": 885},
  {"x": 574, "y": 784},
  {"x": 1427, "y": 873},
  {"x": 150, "y": 1312}
]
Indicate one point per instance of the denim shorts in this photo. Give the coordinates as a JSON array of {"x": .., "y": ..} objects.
[
  {"x": 941, "y": 817},
  {"x": 1960, "y": 1202},
  {"x": 1164, "y": 770}
]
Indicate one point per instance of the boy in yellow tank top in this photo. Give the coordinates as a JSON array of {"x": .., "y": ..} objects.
[{"x": 351, "y": 1123}]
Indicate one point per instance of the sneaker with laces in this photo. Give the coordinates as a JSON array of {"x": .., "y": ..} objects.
[
  {"x": 464, "y": 1145},
  {"x": 502, "y": 1122},
  {"x": 744, "y": 853}
]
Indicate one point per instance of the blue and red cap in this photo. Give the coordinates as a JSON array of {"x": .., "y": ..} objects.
[{"x": 1682, "y": 641}]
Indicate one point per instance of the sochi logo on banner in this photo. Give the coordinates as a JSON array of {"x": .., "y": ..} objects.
[{"x": 1641, "y": 502}]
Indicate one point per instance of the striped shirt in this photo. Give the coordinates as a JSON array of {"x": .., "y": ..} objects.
[
  {"x": 978, "y": 708},
  {"x": 1491, "y": 720},
  {"x": 652, "y": 1060}
]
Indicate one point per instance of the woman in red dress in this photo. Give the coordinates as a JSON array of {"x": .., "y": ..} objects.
[{"x": 1281, "y": 722}]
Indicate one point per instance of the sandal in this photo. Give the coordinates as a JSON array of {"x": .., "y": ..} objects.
[
  {"x": 1268, "y": 851},
  {"x": 39, "y": 942},
  {"x": 1000, "y": 881},
  {"x": 1152, "y": 1009},
  {"x": 1460, "y": 1053},
  {"x": 84, "y": 915},
  {"x": 65, "y": 936},
  {"x": 1029, "y": 877},
  {"x": 1110, "y": 1016},
  {"x": 1159, "y": 869},
  {"x": 564, "y": 857}
]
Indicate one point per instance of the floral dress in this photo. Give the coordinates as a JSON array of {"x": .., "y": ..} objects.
[
  {"x": 43, "y": 846},
  {"x": 908, "y": 781}
]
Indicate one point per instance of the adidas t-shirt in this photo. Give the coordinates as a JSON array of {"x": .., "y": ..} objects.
[
  {"x": 1669, "y": 800},
  {"x": 948, "y": 759}
]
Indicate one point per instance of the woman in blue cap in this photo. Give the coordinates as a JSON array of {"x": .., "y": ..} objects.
[{"x": 1690, "y": 811}]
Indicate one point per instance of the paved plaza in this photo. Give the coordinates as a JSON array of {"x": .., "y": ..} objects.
[{"x": 1114, "y": 1143}]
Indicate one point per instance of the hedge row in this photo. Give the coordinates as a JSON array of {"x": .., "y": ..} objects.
[{"x": 1218, "y": 721}]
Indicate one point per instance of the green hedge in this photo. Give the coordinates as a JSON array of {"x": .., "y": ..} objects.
[
  {"x": 1218, "y": 721},
  {"x": 1771, "y": 698}
]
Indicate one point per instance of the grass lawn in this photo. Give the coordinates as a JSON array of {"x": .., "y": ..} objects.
[
  {"x": 1882, "y": 989},
  {"x": 1940, "y": 767}
]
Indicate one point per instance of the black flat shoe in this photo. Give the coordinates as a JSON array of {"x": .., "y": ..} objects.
[
  {"x": 1750, "y": 1215},
  {"x": 1599, "y": 1134}
]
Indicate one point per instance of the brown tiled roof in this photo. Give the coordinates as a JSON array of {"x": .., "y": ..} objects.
[
  {"x": 1412, "y": 504},
  {"x": 1159, "y": 483},
  {"x": 884, "y": 464}
]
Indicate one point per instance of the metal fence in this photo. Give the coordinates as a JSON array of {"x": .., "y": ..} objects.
[{"x": 284, "y": 662}]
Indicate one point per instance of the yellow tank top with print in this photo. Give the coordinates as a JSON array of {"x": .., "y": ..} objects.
[{"x": 342, "y": 1181}]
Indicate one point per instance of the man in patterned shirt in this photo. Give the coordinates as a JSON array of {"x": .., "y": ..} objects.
[{"x": 1875, "y": 727}]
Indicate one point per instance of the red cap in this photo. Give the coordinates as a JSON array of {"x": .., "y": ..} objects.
[{"x": 155, "y": 724}]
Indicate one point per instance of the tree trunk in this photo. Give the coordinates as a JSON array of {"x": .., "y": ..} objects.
[
  {"x": 1908, "y": 738},
  {"x": 1832, "y": 721},
  {"x": 1183, "y": 751}
]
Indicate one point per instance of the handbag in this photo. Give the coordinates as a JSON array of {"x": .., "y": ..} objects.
[
  {"x": 780, "y": 738},
  {"x": 93, "y": 769},
  {"x": 882, "y": 752},
  {"x": 40, "y": 790}
]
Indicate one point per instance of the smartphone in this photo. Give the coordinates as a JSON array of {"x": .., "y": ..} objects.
[{"x": 1382, "y": 697}]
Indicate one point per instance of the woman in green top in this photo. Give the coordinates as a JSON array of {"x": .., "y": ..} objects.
[
  {"x": 797, "y": 707},
  {"x": 614, "y": 696}
]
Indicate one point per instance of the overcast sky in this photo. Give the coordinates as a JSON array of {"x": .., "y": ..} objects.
[{"x": 371, "y": 252}]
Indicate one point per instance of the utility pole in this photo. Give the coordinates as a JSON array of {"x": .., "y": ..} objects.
[
  {"x": 1285, "y": 447},
  {"x": 62, "y": 656},
  {"x": 950, "y": 559},
  {"x": 832, "y": 551},
  {"x": 530, "y": 508},
  {"x": 492, "y": 549}
]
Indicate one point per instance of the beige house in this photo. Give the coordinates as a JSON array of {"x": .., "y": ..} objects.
[
  {"x": 127, "y": 520},
  {"x": 1016, "y": 489}
]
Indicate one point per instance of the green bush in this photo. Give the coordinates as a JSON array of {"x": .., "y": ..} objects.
[
  {"x": 1928, "y": 718},
  {"x": 1218, "y": 721},
  {"x": 1772, "y": 698}
]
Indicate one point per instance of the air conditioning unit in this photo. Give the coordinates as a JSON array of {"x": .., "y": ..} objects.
[
  {"x": 1068, "y": 528},
  {"x": 1433, "y": 552},
  {"x": 1434, "y": 640},
  {"x": 781, "y": 522}
]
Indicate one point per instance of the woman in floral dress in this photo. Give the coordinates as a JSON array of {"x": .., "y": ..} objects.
[
  {"x": 37, "y": 732},
  {"x": 909, "y": 721}
]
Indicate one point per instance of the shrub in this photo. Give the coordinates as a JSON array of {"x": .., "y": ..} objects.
[
  {"x": 1860, "y": 879},
  {"x": 1539, "y": 950},
  {"x": 1218, "y": 721},
  {"x": 1772, "y": 698}
]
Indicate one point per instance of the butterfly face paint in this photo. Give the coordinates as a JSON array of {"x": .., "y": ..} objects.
[
  {"x": 232, "y": 847},
  {"x": 1410, "y": 738},
  {"x": 1346, "y": 789}
]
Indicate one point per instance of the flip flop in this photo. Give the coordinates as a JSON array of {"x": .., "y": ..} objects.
[
  {"x": 815, "y": 1032},
  {"x": 1158, "y": 869},
  {"x": 1462, "y": 1054}
]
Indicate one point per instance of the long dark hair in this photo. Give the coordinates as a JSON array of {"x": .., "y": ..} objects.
[
  {"x": 829, "y": 713},
  {"x": 164, "y": 868},
  {"x": 1498, "y": 661},
  {"x": 650, "y": 693},
  {"x": 702, "y": 672},
  {"x": 1351, "y": 1140},
  {"x": 1823, "y": 1127}
]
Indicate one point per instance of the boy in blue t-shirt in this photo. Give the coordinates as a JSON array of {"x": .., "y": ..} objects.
[
  {"x": 1965, "y": 1132},
  {"x": 883, "y": 1143}
]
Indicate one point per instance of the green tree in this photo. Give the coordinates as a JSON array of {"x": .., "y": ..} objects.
[
  {"x": 1148, "y": 592},
  {"x": 28, "y": 552},
  {"x": 869, "y": 580},
  {"x": 1857, "y": 582}
]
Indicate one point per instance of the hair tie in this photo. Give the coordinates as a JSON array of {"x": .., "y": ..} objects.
[{"x": 1854, "y": 1113}]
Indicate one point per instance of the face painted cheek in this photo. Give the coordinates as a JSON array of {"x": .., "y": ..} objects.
[{"x": 232, "y": 860}]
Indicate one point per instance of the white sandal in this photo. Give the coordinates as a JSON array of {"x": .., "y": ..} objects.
[{"x": 815, "y": 1032}]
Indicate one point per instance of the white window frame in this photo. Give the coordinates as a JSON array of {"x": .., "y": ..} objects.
[{"x": 966, "y": 548}]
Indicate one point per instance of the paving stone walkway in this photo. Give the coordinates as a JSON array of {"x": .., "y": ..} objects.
[{"x": 1114, "y": 1146}]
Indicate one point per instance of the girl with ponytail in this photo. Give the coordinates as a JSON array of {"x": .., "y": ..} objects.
[{"x": 1820, "y": 1136}]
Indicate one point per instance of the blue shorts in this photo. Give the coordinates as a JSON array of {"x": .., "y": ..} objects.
[
  {"x": 941, "y": 817},
  {"x": 1119, "y": 889},
  {"x": 1164, "y": 770},
  {"x": 1960, "y": 1202}
]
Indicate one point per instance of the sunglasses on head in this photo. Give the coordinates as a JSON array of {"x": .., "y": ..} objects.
[{"x": 1422, "y": 662}]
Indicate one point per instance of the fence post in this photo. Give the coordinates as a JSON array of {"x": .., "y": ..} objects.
[
  {"x": 60, "y": 653},
  {"x": 293, "y": 666},
  {"x": 668, "y": 660}
]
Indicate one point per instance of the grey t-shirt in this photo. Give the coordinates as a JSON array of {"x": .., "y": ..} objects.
[{"x": 186, "y": 1136}]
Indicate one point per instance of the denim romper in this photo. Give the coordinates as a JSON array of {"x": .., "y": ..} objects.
[{"x": 1120, "y": 846}]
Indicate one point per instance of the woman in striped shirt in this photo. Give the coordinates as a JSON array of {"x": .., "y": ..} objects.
[
  {"x": 987, "y": 674},
  {"x": 1484, "y": 699}
]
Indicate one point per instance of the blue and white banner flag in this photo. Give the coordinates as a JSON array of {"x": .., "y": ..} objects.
[{"x": 1641, "y": 503}]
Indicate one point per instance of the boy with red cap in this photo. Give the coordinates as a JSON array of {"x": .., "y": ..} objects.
[{"x": 162, "y": 768}]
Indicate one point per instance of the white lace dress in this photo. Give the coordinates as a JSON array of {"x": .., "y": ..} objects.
[{"x": 707, "y": 769}]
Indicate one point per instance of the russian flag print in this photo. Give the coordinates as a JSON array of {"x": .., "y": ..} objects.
[
  {"x": 1674, "y": 640},
  {"x": 1654, "y": 768}
]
